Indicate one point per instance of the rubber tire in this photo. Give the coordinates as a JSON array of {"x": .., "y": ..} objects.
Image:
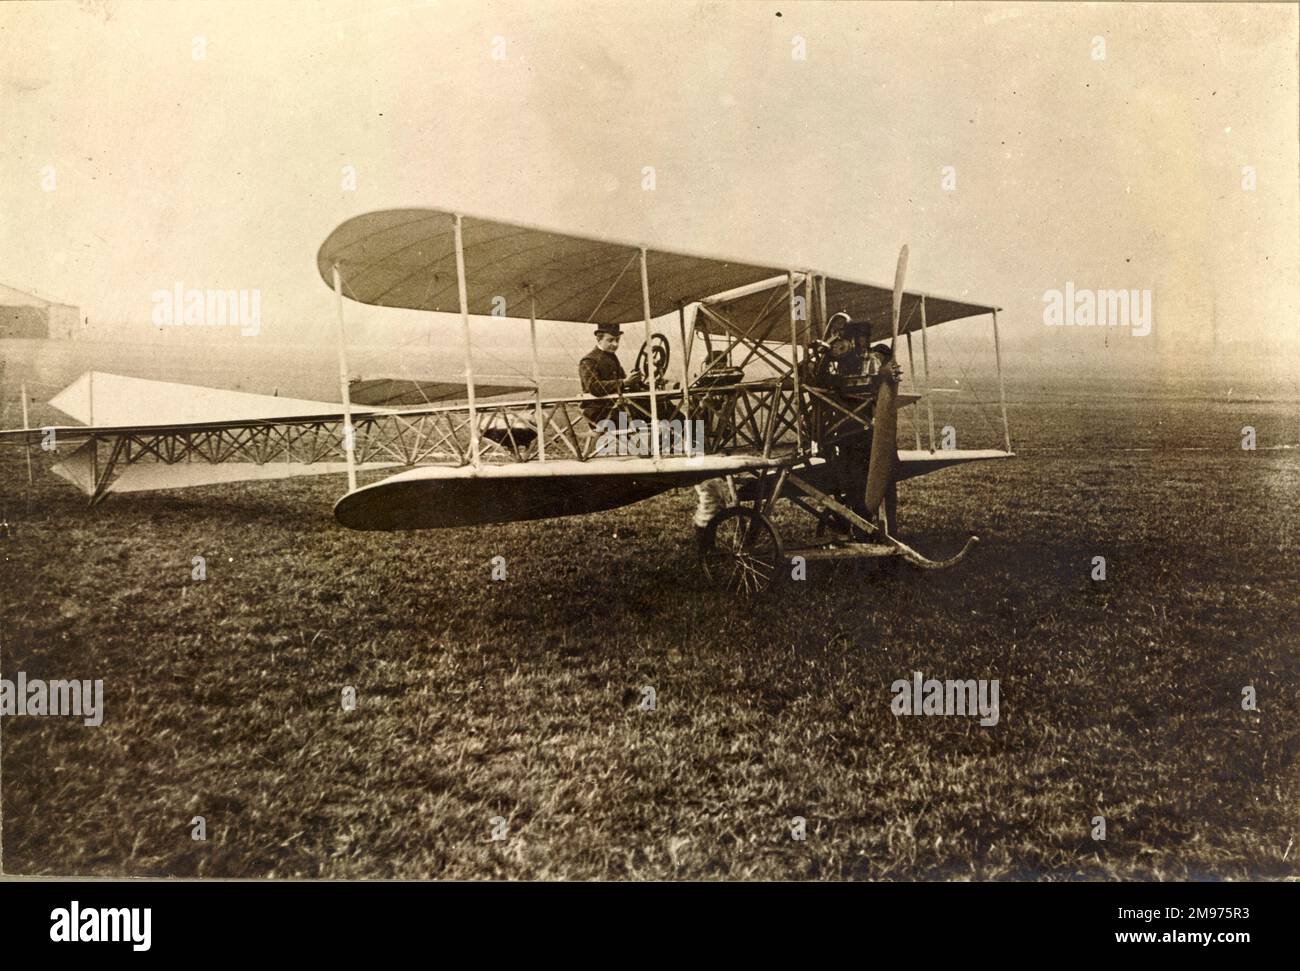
[{"x": 742, "y": 551}]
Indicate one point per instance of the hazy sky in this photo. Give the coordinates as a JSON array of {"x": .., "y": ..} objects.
[{"x": 226, "y": 170}]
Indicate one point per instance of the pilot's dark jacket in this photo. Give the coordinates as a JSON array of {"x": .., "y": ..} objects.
[
  {"x": 602, "y": 374},
  {"x": 850, "y": 446}
]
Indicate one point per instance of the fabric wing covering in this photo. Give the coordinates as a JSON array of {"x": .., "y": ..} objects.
[
  {"x": 407, "y": 258},
  {"x": 768, "y": 312}
]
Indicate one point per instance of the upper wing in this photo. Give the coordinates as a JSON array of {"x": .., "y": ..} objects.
[
  {"x": 769, "y": 314},
  {"x": 407, "y": 258}
]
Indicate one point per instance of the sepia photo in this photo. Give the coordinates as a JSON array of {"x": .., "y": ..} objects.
[{"x": 671, "y": 441}]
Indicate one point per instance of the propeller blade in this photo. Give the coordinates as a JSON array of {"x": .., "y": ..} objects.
[{"x": 899, "y": 274}]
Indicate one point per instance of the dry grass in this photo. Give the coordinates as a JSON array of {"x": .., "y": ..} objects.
[{"x": 520, "y": 698}]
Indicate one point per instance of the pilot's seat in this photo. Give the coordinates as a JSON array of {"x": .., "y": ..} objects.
[{"x": 718, "y": 373}]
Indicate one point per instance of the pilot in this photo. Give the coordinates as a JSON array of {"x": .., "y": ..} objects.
[
  {"x": 878, "y": 359},
  {"x": 839, "y": 357},
  {"x": 601, "y": 374},
  {"x": 850, "y": 358}
]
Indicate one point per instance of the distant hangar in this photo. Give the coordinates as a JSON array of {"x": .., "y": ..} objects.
[{"x": 27, "y": 316}]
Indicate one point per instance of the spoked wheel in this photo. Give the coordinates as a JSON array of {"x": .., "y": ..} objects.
[{"x": 742, "y": 552}]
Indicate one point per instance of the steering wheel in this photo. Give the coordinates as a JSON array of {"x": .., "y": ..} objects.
[{"x": 658, "y": 345}]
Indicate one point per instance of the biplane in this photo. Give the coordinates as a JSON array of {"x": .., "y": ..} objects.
[{"x": 745, "y": 399}]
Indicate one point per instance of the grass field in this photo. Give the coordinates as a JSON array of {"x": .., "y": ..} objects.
[{"x": 521, "y": 698}]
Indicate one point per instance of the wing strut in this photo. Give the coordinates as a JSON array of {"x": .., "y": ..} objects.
[
  {"x": 911, "y": 373},
  {"x": 650, "y": 360},
  {"x": 537, "y": 375},
  {"x": 686, "y": 383},
  {"x": 349, "y": 432},
  {"x": 1002, "y": 391},
  {"x": 925, "y": 359},
  {"x": 469, "y": 357},
  {"x": 794, "y": 359}
]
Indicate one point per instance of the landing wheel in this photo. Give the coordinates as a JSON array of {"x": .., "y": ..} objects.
[{"x": 742, "y": 551}]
